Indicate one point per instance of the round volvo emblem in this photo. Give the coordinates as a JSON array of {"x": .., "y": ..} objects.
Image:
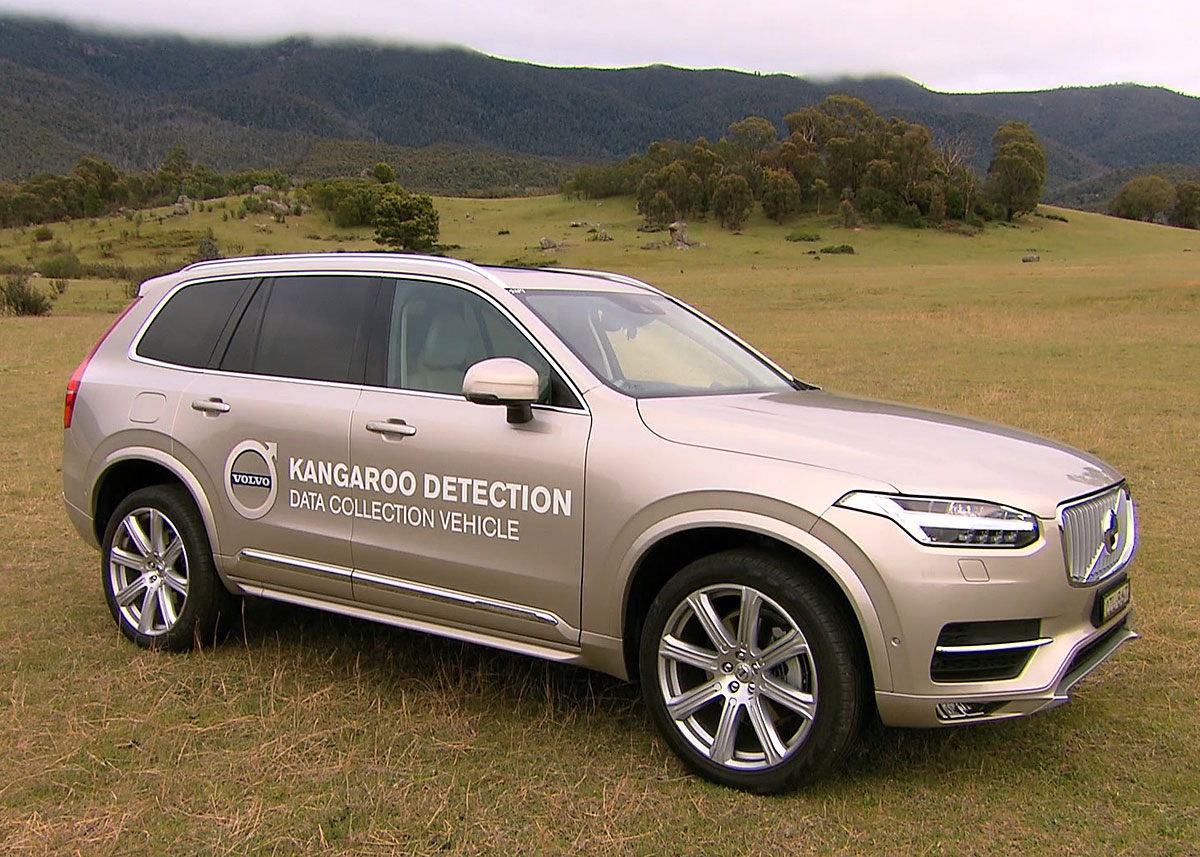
[{"x": 250, "y": 478}]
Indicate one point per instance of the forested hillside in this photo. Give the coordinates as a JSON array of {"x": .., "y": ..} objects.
[{"x": 66, "y": 93}]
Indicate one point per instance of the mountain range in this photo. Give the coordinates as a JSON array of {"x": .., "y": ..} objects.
[{"x": 67, "y": 92}]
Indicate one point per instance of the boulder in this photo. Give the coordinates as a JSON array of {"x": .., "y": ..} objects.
[
  {"x": 260, "y": 189},
  {"x": 679, "y": 234}
]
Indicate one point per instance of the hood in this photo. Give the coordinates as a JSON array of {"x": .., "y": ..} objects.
[{"x": 914, "y": 450}]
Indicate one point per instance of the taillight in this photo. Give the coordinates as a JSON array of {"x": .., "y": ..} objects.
[{"x": 77, "y": 375}]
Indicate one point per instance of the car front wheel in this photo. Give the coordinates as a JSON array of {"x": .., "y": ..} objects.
[{"x": 751, "y": 672}]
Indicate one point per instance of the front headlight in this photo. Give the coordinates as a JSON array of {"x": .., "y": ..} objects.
[{"x": 945, "y": 522}]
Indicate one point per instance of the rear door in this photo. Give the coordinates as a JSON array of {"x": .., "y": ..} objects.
[
  {"x": 465, "y": 517},
  {"x": 268, "y": 425}
]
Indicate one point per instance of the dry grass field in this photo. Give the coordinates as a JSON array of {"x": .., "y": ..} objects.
[{"x": 309, "y": 733}]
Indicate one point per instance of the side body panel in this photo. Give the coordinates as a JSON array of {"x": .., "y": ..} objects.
[
  {"x": 481, "y": 507},
  {"x": 269, "y": 422}
]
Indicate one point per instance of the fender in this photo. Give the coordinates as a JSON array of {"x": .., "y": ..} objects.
[
  {"x": 861, "y": 600},
  {"x": 169, "y": 462}
]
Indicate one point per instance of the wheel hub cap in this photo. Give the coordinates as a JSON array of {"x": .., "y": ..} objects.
[{"x": 737, "y": 677}]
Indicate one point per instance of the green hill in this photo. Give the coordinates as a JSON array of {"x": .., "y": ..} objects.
[{"x": 66, "y": 92}]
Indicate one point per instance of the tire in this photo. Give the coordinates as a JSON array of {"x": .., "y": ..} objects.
[
  {"x": 158, "y": 573},
  {"x": 761, "y": 705}
]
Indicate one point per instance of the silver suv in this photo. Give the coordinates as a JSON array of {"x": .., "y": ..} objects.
[{"x": 577, "y": 466}]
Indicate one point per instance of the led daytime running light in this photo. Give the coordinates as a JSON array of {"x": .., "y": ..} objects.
[{"x": 947, "y": 522}]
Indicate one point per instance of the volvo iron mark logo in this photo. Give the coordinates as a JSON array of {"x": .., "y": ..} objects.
[
  {"x": 1112, "y": 531},
  {"x": 251, "y": 482}
]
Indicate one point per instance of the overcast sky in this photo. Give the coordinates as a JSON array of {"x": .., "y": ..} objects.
[{"x": 951, "y": 45}]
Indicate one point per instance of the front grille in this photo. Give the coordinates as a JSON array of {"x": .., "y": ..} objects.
[
  {"x": 1099, "y": 535},
  {"x": 985, "y": 651}
]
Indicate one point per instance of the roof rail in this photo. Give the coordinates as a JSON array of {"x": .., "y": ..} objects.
[
  {"x": 443, "y": 260},
  {"x": 611, "y": 277}
]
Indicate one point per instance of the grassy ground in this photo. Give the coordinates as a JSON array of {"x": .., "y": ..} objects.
[{"x": 312, "y": 732}]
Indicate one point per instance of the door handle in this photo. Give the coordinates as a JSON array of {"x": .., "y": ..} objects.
[
  {"x": 392, "y": 427},
  {"x": 210, "y": 406}
]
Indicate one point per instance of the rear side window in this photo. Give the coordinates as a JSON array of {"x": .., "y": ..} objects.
[
  {"x": 185, "y": 331},
  {"x": 310, "y": 327}
]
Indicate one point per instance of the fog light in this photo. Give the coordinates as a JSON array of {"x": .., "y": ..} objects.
[{"x": 961, "y": 710}]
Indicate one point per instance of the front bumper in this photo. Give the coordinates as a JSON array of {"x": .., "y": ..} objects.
[
  {"x": 936, "y": 590},
  {"x": 924, "y": 711}
]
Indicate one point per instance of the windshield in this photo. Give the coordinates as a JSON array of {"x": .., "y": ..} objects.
[{"x": 647, "y": 345}]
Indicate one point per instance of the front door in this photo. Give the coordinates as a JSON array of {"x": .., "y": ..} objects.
[{"x": 464, "y": 517}]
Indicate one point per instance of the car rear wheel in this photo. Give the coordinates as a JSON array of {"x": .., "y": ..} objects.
[
  {"x": 158, "y": 573},
  {"x": 751, "y": 671}
]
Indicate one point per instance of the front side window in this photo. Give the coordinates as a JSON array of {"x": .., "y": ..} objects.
[
  {"x": 312, "y": 327},
  {"x": 647, "y": 345},
  {"x": 437, "y": 332}
]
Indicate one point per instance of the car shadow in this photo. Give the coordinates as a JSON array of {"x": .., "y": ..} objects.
[{"x": 502, "y": 681}]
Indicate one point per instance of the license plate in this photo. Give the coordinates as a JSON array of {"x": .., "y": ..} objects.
[{"x": 1112, "y": 602}]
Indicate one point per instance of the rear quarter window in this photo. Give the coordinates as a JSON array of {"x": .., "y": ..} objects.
[{"x": 185, "y": 331}]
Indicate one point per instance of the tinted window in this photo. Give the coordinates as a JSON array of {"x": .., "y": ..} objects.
[
  {"x": 438, "y": 332},
  {"x": 304, "y": 327},
  {"x": 186, "y": 330}
]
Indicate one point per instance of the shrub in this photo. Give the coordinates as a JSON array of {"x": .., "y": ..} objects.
[
  {"x": 60, "y": 286},
  {"x": 62, "y": 266},
  {"x": 406, "y": 221},
  {"x": 43, "y": 233},
  {"x": 835, "y": 249},
  {"x": 206, "y": 249},
  {"x": 800, "y": 235},
  {"x": 847, "y": 214},
  {"x": 910, "y": 216},
  {"x": 20, "y": 298}
]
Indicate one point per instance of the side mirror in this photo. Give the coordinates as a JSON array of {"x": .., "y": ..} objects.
[{"x": 503, "y": 381}]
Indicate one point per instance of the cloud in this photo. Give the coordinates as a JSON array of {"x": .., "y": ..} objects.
[{"x": 945, "y": 44}]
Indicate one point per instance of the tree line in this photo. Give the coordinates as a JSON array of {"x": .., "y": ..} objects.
[
  {"x": 838, "y": 155},
  {"x": 1155, "y": 199},
  {"x": 93, "y": 188}
]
